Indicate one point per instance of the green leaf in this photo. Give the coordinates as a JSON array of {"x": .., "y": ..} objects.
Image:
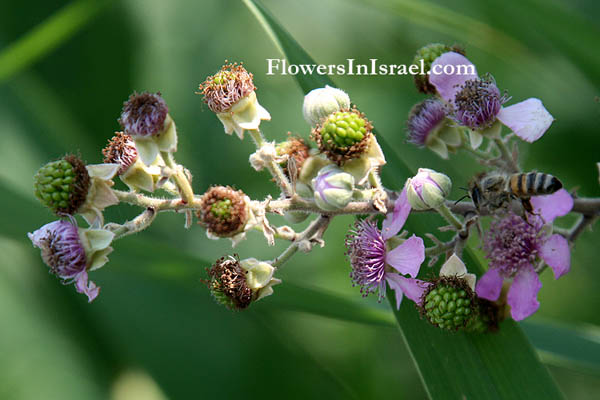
[
  {"x": 574, "y": 347},
  {"x": 47, "y": 36},
  {"x": 501, "y": 365}
]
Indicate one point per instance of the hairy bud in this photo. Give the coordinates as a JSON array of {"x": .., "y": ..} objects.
[
  {"x": 428, "y": 189},
  {"x": 333, "y": 188},
  {"x": 319, "y": 103}
]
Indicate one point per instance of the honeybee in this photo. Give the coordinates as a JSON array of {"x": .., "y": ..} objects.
[{"x": 496, "y": 190}]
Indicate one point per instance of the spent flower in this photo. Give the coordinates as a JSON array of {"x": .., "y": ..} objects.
[
  {"x": 72, "y": 252},
  {"x": 231, "y": 94},
  {"x": 145, "y": 118}
]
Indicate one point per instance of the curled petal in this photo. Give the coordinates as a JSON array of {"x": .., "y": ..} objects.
[
  {"x": 408, "y": 257},
  {"x": 522, "y": 295},
  {"x": 412, "y": 288},
  {"x": 490, "y": 285},
  {"x": 553, "y": 205},
  {"x": 528, "y": 119},
  {"x": 447, "y": 85},
  {"x": 103, "y": 171},
  {"x": 395, "y": 221},
  {"x": 555, "y": 252},
  {"x": 89, "y": 288}
]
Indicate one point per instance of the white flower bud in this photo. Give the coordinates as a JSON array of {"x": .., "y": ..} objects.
[
  {"x": 428, "y": 189},
  {"x": 333, "y": 188},
  {"x": 319, "y": 103}
]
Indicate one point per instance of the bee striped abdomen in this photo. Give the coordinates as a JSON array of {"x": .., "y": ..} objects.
[{"x": 533, "y": 183}]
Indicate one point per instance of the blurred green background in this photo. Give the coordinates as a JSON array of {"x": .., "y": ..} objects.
[{"x": 154, "y": 332}]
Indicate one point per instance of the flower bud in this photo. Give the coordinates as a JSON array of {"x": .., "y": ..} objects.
[
  {"x": 427, "y": 189},
  {"x": 343, "y": 135},
  {"x": 230, "y": 93},
  {"x": 62, "y": 185},
  {"x": 319, "y": 103},
  {"x": 426, "y": 56},
  {"x": 224, "y": 212},
  {"x": 333, "y": 188}
]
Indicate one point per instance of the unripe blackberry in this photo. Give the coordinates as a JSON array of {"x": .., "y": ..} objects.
[
  {"x": 343, "y": 135},
  {"x": 448, "y": 303},
  {"x": 428, "y": 54},
  {"x": 224, "y": 211},
  {"x": 62, "y": 185},
  {"x": 485, "y": 319}
]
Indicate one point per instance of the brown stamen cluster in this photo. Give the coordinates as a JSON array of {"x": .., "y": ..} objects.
[
  {"x": 228, "y": 283},
  {"x": 120, "y": 150},
  {"x": 294, "y": 148},
  {"x": 225, "y": 88},
  {"x": 223, "y": 211},
  {"x": 80, "y": 186},
  {"x": 341, "y": 154}
]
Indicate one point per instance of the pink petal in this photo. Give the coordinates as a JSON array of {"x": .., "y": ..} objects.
[
  {"x": 528, "y": 119},
  {"x": 447, "y": 85},
  {"x": 408, "y": 257},
  {"x": 555, "y": 252},
  {"x": 89, "y": 288},
  {"x": 412, "y": 288},
  {"x": 522, "y": 295},
  {"x": 490, "y": 285},
  {"x": 553, "y": 205},
  {"x": 395, "y": 221}
]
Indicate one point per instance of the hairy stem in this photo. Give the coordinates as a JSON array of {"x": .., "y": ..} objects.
[
  {"x": 506, "y": 156},
  {"x": 273, "y": 167},
  {"x": 445, "y": 212},
  {"x": 312, "y": 233},
  {"x": 137, "y": 224}
]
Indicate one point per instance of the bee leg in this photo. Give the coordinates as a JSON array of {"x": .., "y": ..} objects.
[{"x": 526, "y": 202}]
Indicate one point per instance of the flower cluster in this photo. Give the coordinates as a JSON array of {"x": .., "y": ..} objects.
[{"x": 334, "y": 169}]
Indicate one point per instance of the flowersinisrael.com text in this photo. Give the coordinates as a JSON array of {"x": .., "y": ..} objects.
[{"x": 280, "y": 66}]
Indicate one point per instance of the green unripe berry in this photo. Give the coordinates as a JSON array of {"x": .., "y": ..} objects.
[
  {"x": 448, "y": 305},
  {"x": 221, "y": 209},
  {"x": 62, "y": 185}
]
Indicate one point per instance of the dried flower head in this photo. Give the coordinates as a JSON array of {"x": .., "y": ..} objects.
[
  {"x": 144, "y": 114},
  {"x": 228, "y": 283},
  {"x": 294, "y": 148},
  {"x": 225, "y": 88},
  {"x": 120, "y": 150},
  {"x": 62, "y": 185},
  {"x": 343, "y": 135},
  {"x": 224, "y": 211}
]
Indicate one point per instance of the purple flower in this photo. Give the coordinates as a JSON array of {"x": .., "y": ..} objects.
[
  {"x": 144, "y": 114},
  {"x": 478, "y": 102},
  {"x": 373, "y": 264},
  {"x": 71, "y": 252},
  {"x": 424, "y": 119},
  {"x": 513, "y": 246}
]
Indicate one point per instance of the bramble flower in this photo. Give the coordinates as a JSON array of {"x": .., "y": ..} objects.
[
  {"x": 319, "y": 103},
  {"x": 513, "y": 247},
  {"x": 478, "y": 103},
  {"x": 145, "y": 118},
  {"x": 231, "y": 94},
  {"x": 427, "y": 55},
  {"x": 428, "y": 126},
  {"x": 133, "y": 172},
  {"x": 374, "y": 266},
  {"x": 235, "y": 284},
  {"x": 428, "y": 189},
  {"x": 68, "y": 186},
  {"x": 71, "y": 252},
  {"x": 333, "y": 188}
]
